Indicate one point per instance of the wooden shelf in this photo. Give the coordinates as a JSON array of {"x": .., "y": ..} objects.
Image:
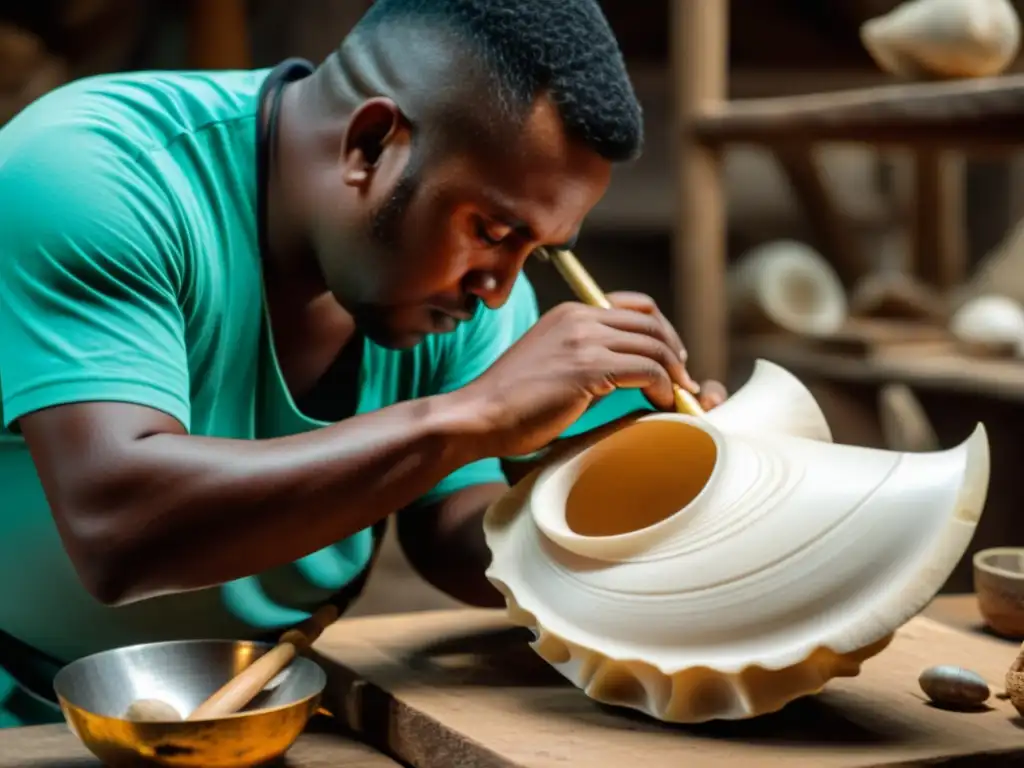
[
  {"x": 980, "y": 115},
  {"x": 1002, "y": 379}
]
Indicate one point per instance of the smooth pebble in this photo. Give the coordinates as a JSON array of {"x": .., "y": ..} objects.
[
  {"x": 151, "y": 710},
  {"x": 952, "y": 686}
]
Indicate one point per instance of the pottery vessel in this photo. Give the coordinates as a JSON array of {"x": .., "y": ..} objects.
[
  {"x": 923, "y": 39},
  {"x": 999, "y": 585},
  {"x": 721, "y": 567},
  {"x": 786, "y": 285}
]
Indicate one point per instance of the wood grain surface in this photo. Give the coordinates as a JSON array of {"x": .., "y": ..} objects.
[
  {"x": 462, "y": 688},
  {"x": 54, "y": 746}
]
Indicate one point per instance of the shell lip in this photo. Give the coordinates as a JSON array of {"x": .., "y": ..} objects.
[
  {"x": 861, "y": 629},
  {"x": 795, "y": 655},
  {"x": 562, "y": 533}
]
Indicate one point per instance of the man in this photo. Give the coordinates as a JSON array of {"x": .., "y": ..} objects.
[{"x": 245, "y": 317}]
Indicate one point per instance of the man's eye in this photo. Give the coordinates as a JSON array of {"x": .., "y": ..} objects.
[{"x": 487, "y": 235}]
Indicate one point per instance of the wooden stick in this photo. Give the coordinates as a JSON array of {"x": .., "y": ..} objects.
[
  {"x": 243, "y": 688},
  {"x": 587, "y": 290}
]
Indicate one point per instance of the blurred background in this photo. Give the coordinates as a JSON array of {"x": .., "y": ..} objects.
[{"x": 888, "y": 279}]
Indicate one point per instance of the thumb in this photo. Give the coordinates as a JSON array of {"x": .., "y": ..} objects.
[{"x": 712, "y": 394}]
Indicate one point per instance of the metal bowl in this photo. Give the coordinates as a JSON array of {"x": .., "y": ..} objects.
[{"x": 95, "y": 691}]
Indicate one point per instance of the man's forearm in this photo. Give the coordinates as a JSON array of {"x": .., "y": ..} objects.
[{"x": 171, "y": 512}]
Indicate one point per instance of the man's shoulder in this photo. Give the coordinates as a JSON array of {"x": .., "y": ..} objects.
[
  {"x": 107, "y": 147},
  {"x": 136, "y": 111}
]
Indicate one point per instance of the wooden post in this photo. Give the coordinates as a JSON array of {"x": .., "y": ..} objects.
[
  {"x": 700, "y": 32},
  {"x": 938, "y": 225},
  {"x": 218, "y": 34}
]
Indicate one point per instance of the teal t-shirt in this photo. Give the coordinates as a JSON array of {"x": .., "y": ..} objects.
[{"x": 129, "y": 271}]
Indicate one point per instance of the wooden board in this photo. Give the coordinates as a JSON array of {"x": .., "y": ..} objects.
[
  {"x": 54, "y": 746},
  {"x": 962, "y": 612},
  {"x": 1003, "y": 379},
  {"x": 462, "y": 688},
  {"x": 983, "y": 115},
  {"x": 866, "y": 337}
]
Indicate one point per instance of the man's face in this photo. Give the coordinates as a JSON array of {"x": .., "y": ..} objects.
[{"x": 436, "y": 238}]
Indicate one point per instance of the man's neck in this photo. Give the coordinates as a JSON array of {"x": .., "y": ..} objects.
[{"x": 289, "y": 252}]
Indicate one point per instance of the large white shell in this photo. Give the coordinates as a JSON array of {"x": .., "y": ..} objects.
[
  {"x": 718, "y": 568},
  {"x": 791, "y": 286},
  {"x": 990, "y": 321},
  {"x": 944, "y": 38}
]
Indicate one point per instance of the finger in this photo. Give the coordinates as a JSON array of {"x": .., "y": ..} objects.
[
  {"x": 639, "y": 302},
  {"x": 639, "y": 372},
  {"x": 712, "y": 395},
  {"x": 650, "y": 346},
  {"x": 653, "y": 326},
  {"x": 633, "y": 301}
]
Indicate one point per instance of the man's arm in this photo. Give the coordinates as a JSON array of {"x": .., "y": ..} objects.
[
  {"x": 444, "y": 543},
  {"x": 145, "y": 509},
  {"x": 95, "y": 376},
  {"x": 444, "y": 540}
]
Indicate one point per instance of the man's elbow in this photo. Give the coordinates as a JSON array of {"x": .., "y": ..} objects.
[
  {"x": 107, "y": 583},
  {"x": 105, "y": 564}
]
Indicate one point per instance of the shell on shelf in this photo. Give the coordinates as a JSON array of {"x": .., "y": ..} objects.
[
  {"x": 720, "y": 567},
  {"x": 990, "y": 323},
  {"x": 922, "y": 39},
  {"x": 788, "y": 285}
]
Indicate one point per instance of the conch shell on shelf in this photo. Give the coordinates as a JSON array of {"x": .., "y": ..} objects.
[
  {"x": 720, "y": 567},
  {"x": 923, "y": 39},
  {"x": 786, "y": 284}
]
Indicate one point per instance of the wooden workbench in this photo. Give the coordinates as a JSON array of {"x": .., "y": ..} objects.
[
  {"x": 53, "y": 746},
  {"x": 461, "y": 688},
  {"x": 402, "y": 713}
]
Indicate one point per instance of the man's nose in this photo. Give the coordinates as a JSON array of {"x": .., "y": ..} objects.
[{"x": 492, "y": 287}]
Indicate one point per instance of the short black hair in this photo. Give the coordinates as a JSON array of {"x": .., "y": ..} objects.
[{"x": 565, "y": 48}]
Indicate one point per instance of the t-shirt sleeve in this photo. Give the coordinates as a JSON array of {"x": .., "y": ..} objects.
[
  {"x": 90, "y": 280},
  {"x": 471, "y": 350}
]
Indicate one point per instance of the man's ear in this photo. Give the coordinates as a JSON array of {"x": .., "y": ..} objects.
[{"x": 373, "y": 125}]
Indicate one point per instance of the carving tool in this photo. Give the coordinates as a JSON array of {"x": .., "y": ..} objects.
[{"x": 588, "y": 292}]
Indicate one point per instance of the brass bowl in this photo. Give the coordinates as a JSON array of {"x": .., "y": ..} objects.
[
  {"x": 999, "y": 585},
  {"x": 95, "y": 691}
]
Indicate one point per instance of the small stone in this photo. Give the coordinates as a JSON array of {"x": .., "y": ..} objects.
[
  {"x": 954, "y": 687},
  {"x": 151, "y": 711}
]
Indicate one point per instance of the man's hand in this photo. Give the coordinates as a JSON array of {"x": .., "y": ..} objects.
[
  {"x": 712, "y": 393},
  {"x": 574, "y": 355}
]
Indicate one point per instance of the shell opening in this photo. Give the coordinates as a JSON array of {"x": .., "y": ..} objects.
[
  {"x": 805, "y": 298},
  {"x": 639, "y": 477},
  {"x": 801, "y": 292}
]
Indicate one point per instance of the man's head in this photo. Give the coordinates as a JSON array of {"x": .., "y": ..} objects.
[{"x": 474, "y": 131}]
